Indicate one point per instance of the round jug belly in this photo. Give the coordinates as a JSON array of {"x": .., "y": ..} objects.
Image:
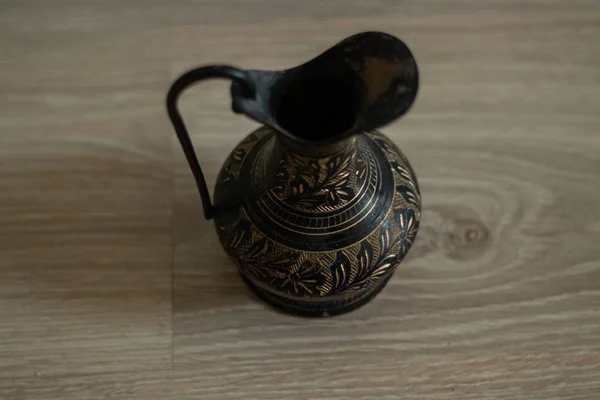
[{"x": 316, "y": 233}]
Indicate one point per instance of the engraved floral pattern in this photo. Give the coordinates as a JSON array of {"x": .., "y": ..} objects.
[
  {"x": 408, "y": 225},
  {"x": 299, "y": 277},
  {"x": 373, "y": 261},
  {"x": 306, "y": 183}
]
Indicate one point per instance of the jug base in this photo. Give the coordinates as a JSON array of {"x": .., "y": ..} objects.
[{"x": 316, "y": 308}]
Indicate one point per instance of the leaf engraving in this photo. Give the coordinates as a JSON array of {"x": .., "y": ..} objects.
[
  {"x": 240, "y": 235},
  {"x": 299, "y": 186},
  {"x": 361, "y": 170},
  {"x": 385, "y": 236},
  {"x": 341, "y": 272},
  {"x": 259, "y": 248},
  {"x": 364, "y": 259},
  {"x": 372, "y": 267},
  {"x": 310, "y": 184}
]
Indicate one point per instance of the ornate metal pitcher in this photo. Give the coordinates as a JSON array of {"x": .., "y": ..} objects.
[{"x": 316, "y": 208}]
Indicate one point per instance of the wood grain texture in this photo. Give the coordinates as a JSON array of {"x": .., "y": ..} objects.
[{"x": 113, "y": 285}]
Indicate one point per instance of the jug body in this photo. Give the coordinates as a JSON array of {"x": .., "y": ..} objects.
[{"x": 316, "y": 233}]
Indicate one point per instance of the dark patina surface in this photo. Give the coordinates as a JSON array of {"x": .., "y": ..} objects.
[{"x": 316, "y": 208}]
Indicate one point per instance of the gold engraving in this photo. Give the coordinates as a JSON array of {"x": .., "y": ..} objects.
[{"x": 305, "y": 187}]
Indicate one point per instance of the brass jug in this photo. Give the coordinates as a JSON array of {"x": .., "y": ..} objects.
[{"x": 316, "y": 207}]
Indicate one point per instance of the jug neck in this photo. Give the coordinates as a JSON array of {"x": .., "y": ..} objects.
[{"x": 285, "y": 144}]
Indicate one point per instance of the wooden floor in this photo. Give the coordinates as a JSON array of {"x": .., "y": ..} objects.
[{"x": 112, "y": 285}]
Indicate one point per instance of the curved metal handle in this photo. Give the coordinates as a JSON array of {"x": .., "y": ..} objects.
[{"x": 182, "y": 83}]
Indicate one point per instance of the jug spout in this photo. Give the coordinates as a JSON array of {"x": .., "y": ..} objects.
[{"x": 362, "y": 83}]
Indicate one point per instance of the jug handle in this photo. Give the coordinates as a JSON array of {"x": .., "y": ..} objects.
[{"x": 183, "y": 82}]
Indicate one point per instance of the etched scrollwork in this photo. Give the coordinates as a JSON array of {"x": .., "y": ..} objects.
[
  {"x": 310, "y": 183},
  {"x": 299, "y": 276},
  {"x": 373, "y": 261}
]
